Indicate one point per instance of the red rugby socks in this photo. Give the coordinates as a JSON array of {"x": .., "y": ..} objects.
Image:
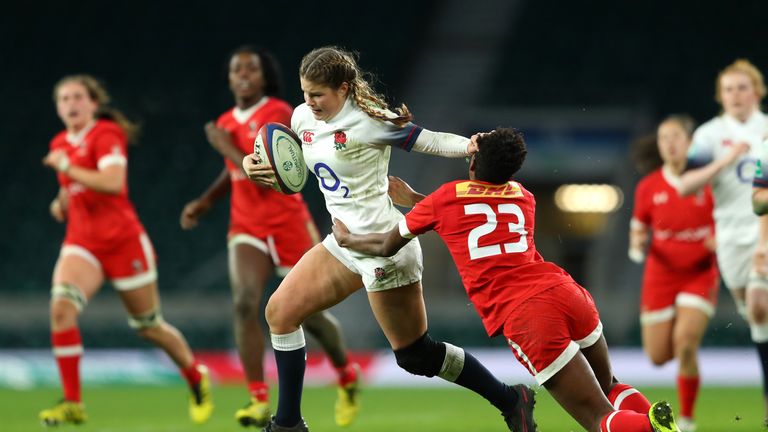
[{"x": 67, "y": 349}]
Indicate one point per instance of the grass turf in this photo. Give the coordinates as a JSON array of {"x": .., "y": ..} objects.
[{"x": 163, "y": 409}]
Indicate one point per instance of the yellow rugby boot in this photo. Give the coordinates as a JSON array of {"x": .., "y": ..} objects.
[
  {"x": 348, "y": 399},
  {"x": 661, "y": 418},
  {"x": 200, "y": 401},
  {"x": 63, "y": 412},
  {"x": 255, "y": 413}
]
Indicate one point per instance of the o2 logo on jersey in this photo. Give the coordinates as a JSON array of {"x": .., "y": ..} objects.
[
  {"x": 475, "y": 250},
  {"x": 307, "y": 137},
  {"x": 746, "y": 169},
  {"x": 332, "y": 187}
]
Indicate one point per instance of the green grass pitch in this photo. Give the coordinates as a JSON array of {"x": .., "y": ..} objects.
[{"x": 163, "y": 409}]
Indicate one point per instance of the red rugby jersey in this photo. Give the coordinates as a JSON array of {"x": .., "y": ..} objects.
[
  {"x": 680, "y": 225},
  {"x": 489, "y": 231},
  {"x": 250, "y": 201},
  {"x": 96, "y": 219}
]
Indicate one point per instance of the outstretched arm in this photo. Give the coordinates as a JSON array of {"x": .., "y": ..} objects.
[
  {"x": 196, "y": 208},
  {"x": 693, "y": 180},
  {"x": 376, "y": 244}
]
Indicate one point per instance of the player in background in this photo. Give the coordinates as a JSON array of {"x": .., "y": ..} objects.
[
  {"x": 550, "y": 322},
  {"x": 680, "y": 281},
  {"x": 348, "y": 132},
  {"x": 723, "y": 154},
  {"x": 104, "y": 241},
  {"x": 268, "y": 233}
]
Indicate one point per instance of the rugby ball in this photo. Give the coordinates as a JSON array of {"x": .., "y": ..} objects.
[{"x": 277, "y": 146}]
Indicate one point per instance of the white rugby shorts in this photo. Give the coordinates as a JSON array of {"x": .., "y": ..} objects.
[{"x": 381, "y": 273}]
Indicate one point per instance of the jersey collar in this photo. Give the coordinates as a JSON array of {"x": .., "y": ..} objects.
[
  {"x": 242, "y": 116},
  {"x": 753, "y": 119},
  {"x": 671, "y": 178},
  {"x": 77, "y": 139},
  {"x": 346, "y": 109}
]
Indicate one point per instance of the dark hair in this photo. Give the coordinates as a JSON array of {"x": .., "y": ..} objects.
[
  {"x": 332, "y": 66},
  {"x": 645, "y": 155},
  {"x": 500, "y": 155},
  {"x": 269, "y": 67},
  {"x": 98, "y": 94},
  {"x": 645, "y": 150}
]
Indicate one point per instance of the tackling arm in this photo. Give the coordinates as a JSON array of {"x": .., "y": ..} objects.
[{"x": 376, "y": 244}]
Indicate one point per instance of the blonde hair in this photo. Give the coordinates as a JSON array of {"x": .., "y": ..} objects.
[
  {"x": 98, "y": 94},
  {"x": 745, "y": 67},
  {"x": 332, "y": 66}
]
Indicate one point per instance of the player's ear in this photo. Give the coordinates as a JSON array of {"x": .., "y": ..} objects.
[{"x": 472, "y": 164}]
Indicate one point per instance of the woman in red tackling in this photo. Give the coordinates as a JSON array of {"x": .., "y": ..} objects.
[
  {"x": 268, "y": 233},
  {"x": 104, "y": 241},
  {"x": 680, "y": 280}
]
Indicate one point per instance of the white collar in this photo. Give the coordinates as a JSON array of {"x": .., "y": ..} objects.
[
  {"x": 734, "y": 122},
  {"x": 76, "y": 139},
  {"x": 242, "y": 116},
  {"x": 346, "y": 109},
  {"x": 671, "y": 178}
]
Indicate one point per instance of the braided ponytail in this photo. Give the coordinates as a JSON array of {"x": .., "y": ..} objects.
[{"x": 331, "y": 66}]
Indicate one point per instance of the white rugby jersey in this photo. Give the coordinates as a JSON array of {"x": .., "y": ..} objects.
[
  {"x": 349, "y": 155},
  {"x": 735, "y": 223}
]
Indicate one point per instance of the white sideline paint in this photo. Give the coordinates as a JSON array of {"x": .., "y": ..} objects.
[{"x": 22, "y": 369}]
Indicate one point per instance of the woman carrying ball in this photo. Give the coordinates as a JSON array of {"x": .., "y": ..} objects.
[
  {"x": 347, "y": 133},
  {"x": 268, "y": 233},
  {"x": 104, "y": 241}
]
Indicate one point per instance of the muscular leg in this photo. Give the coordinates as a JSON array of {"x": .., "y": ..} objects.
[
  {"x": 402, "y": 316},
  {"x": 324, "y": 327},
  {"x": 76, "y": 279},
  {"x": 757, "y": 312},
  {"x": 317, "y": 282},
  {"x": 249, "y": 271},
  {"x": 143, "y": 303},
  {"x": 657, "y": 341},
  {"x": 689, "y": 329},
  {"x": 620, "y": 395},
  {"x": 576, "y": 388}
]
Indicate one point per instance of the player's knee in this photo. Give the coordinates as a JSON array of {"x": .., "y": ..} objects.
[
  {"x": 427, "y": 357},
  {"x": 659, "y": 357},
  {"x": 148, "y": 325},
  {"x": 685, "y": 348},
  {"x": 757, "y": 314},
  {"x": 66, "y": 302},
  {"x": 246, "y": 307}
]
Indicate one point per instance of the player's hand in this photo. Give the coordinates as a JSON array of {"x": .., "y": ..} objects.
[
  {"x": 735, "y": 152},
  {"x": 57, "y": 211},
  {"x": 218, "y": 137},
  {"x": 58, "y": 160},
  {"x": 472, "y": 148},
  {"x": 402, "y": 193},
  {"x": 191, "y": 213},
  {"x": 340, "y": 232},
  {"x": 258, "y": 172}
]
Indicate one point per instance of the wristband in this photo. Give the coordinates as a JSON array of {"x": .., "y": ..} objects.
[{"x": 63, "y": 165}]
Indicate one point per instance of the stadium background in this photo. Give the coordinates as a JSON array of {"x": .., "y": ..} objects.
[{"x": 581, "y": 81}]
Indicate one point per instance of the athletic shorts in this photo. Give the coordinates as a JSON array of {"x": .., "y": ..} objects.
[
  {"x": 285, "y": 245},
  {"x": 128, "y": 264},
  {"x": 548, "y": 329},
  {"x": 662, "y": 292},
  {"x": 735, "y": 263},
  {"x": 381, "y": 273}
]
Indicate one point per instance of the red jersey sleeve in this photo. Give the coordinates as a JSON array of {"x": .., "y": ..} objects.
[
  {"x": 282, "y": 114},
  {"x": 641, "y": 213},
  {"x": 110, "y": 148},
  {"x": 420, "y": 219}
]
